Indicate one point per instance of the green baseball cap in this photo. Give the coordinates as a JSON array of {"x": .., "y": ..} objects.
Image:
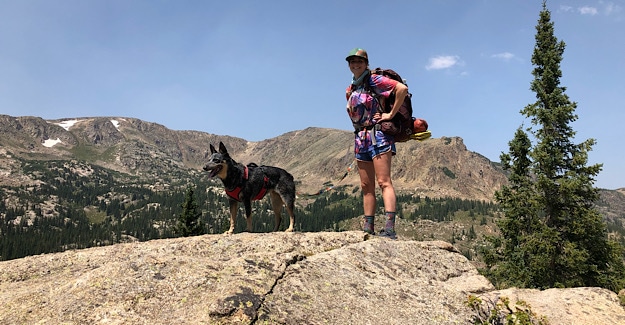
[{"x": 358, "y": 52}]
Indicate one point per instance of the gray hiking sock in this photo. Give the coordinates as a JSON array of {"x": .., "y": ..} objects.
[
  {"x": 390, "y": 222},
  {"x": 368, "y": 226}
]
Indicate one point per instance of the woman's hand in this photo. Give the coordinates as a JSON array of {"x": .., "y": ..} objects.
[{"x": 379, "y": 117}]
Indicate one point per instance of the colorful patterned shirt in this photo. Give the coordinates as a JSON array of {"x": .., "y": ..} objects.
[{"x": 361, "y": 107}]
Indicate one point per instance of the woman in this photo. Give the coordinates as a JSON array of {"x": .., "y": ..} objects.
[{"x": 373, "y": 148}]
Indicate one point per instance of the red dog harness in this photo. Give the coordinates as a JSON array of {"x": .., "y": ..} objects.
[{"x": 234, "y": 193}]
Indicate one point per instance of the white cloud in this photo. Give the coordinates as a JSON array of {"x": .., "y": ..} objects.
[
  {"x": 442, "y": 62},
  {"x": 587, "y": 10},
  {"x": 506, "y": 56},
  {"x": 604, "y": 7},
  {"x": 611, "y": 8}
]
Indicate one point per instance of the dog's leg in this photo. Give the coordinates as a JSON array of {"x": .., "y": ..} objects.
[
  {"x": 234, "y": 208},
  {"x": 290, "y": 209},
  {"x": 276, "y": 204},
  {"x": 248, "y": 215},
  {"x": 289, "y": 203}
]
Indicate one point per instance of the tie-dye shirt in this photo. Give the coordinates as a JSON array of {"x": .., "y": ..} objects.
[{"x": 361, "y": 107}]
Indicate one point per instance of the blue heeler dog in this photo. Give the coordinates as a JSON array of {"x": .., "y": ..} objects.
[{"x": 249, "y": 183}]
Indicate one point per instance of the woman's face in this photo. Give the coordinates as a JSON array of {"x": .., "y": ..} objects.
[{"x": 357, "y": 66}]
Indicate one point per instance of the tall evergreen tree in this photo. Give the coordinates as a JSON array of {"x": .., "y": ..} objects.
[
  {"x": 552, "y": 234},
  {"x": 189, "y": 222}
]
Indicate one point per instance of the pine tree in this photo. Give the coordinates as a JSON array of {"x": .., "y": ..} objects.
[
  {"x": 189, "y": 222},
  {"x": 551, "y": 234}
]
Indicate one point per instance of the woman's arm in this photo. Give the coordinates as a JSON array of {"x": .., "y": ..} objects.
[{"x": 401, "y": 91}]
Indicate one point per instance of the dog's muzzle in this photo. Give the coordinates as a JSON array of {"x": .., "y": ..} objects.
[{"x": 213, "y": 170}]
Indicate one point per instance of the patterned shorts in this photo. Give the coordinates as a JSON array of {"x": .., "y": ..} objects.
[{"x": 374, "y": 151}]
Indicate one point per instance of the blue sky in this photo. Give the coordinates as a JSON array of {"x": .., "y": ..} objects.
[{"x": 259, "y": 69}]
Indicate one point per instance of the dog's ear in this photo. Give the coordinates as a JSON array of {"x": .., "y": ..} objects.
[
  {"x": 222, "y": 148},
  {"x": 212, "y": 149}
]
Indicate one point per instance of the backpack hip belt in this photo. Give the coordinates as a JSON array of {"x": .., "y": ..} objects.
[
  {"x": 371, "y": 129},
  {"x": 368, "y": 128}
]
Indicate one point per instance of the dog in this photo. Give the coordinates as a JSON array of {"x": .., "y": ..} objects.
[{"x": 250, "y": 183}]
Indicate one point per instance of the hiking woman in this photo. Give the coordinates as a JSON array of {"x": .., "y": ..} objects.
[{"x": 373, "y": 148}]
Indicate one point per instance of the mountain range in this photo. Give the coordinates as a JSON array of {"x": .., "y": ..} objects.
[
  {"x": 438, "y": 167},
  {"x": 318, "y": 158}
]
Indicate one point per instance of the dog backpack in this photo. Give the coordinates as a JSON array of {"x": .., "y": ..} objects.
[{"x": 403, "y": 125}]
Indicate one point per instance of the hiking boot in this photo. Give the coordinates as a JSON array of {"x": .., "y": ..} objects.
[{"x": 387, "y": 233}]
